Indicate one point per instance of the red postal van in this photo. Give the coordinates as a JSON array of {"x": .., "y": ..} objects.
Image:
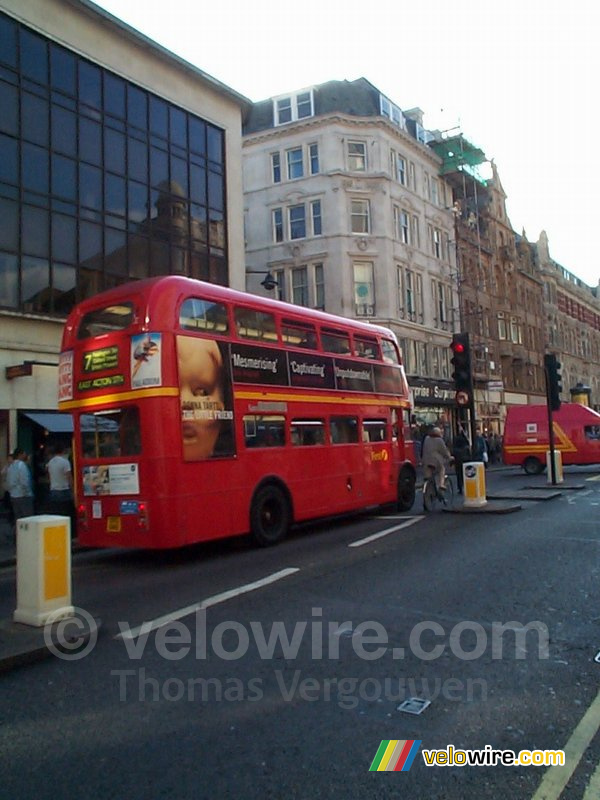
[{"x": 576, "y": 435}]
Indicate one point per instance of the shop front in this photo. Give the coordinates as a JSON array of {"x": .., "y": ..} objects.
[{"x": 433, "y": 404}]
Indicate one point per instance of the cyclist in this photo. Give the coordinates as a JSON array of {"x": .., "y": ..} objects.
[{"x": 436, "y": 457}]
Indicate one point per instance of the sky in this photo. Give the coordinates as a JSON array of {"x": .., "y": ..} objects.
[{"x": 518, "y": 78}]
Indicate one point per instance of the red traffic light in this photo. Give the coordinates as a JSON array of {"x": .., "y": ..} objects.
[{"x": 458, "y": 347}]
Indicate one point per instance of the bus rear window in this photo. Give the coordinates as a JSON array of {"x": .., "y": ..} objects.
[
  {"x": 103, "y": 320},
  {"x": 110, "y": 435},
  {"x": 203, "y": 315}
]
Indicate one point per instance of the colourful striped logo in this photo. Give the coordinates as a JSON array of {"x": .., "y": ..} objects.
[{"x": 395, "y": 755}]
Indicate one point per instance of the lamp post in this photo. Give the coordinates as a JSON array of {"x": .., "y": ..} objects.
[{"x": 269, "y": 282}]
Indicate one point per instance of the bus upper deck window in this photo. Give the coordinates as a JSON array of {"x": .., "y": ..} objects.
[
  {"x": 299, "y": 334},
  {"x": 256, "y": 325},
  {"x": 116, "y": 317},
  {"x": 366, "y": 347},
  {"x": 335, "y": 341},
  {"x": 203, "y": 315},
  {"x": 390, "y": 353}
]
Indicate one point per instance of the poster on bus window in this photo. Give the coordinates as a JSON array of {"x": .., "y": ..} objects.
[
  {"x": 146, "y": 360},
  {"x": 206, "y": 398}
]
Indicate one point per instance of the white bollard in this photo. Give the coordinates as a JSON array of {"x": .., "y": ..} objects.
[
  {"x": 557, "y": 465},
  {"x": 43, "y": 569},
  {"x": 474, "y": 484}
]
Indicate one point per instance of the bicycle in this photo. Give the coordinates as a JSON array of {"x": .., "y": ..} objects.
[{"x": 433, "y": 494}]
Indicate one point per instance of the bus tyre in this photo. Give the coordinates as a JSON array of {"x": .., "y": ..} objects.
[
  {"x": 270, "y": 515},
  {"x": 533, "y": 466},
  {"x": 406, "y": 490}
]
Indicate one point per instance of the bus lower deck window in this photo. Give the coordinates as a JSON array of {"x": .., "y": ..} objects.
[
  {"x": 305, "y": 432},
  {"x": 264, "y": 431},
  {"x": 344, "y": 430},
  {"x": 374, "y": 430},
  {"x": 110, "y": 435}
]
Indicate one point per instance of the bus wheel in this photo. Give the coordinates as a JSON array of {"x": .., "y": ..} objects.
[
  {"x": 533, "y": 466},
  {"x": 406, "y": 490},
  {"x": 270, "y": 515}
]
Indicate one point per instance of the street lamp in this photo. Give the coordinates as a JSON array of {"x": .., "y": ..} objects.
[{"x": 269, "y": 282}]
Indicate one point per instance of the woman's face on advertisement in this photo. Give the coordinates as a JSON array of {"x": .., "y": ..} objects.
[{"x": 201, "y": 395}]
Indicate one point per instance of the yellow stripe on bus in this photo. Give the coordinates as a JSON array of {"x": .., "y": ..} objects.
[
  {"x": 330, "y": 399},
  {"x": 118, "y": 397},
  {"x": 173, "y": 391}
]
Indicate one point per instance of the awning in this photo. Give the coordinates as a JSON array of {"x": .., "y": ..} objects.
[{"x": 55, "y": 423}]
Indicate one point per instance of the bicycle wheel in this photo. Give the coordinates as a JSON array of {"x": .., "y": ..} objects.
[
  {"x": 448, "y": 494},
  {"x": 429, "y": 495}
]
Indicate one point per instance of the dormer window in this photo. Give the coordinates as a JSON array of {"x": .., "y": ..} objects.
[{"x": 293, "y": 107}]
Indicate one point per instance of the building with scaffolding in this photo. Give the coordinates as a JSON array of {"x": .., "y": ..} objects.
[{"x": 500, "y": 286}]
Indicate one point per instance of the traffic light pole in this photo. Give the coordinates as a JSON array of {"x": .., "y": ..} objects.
[{"x": 550, "y": 430}]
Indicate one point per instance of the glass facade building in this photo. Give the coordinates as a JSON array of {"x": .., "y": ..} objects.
[{"x": 101, "y": 181}]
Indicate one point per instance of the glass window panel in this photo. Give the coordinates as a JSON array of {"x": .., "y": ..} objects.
[
  {"x": 34, "y": 56},
  {"x": 90, "y": 241},
  {"x": 90, "y": 187},
  {"x": 306, "y": 432},
  {"x": 215, "y": 191},
  {"x": 64, "y": 131},
  {"x": 137, "y": 198},
  {"x": 8, "y": 37},
  {"x": 64, "y": 280},
  {"x": 9, "y": 103},
  {"x": 114, "y": 194},
  {"x": 35, "y": 231},
  {"x": 114, "y": 95},
  {"x": 206, "y": 315},
  {"x": 215, "y": 144},
  {"x": 159, "y": 166},
  {"x": 35, "y": 168},
  {"x": 63, "y": 70},
  {"x": 9, "y": 225},
  {"x": 64, "y": 238},
  {"x": 179, "y": 174},
  {"x": 158, "y": 117},
  {"x": 178, "y": 126},
  {"x": 90, "y": 89},
  {"x": 299, "y": 334},
  {"x": 138, "y": 255},
  {"x": 35, "y": 284},
  {"x": 216, "y": 231},
  {"x": 335, "y": 341},
  {"x": 9, "y": 160},
  {"x": 138, "y": 159},
  {"x": 374, "y": 430},
  {"x": 297, "y": 220},
  {"x": 137, "y": 107},
  {"x": 197, "y": 136},
  {"x": 252, "y": 324},
  {"x": 264, "y": 431},
  {"x": 198, "y": 184},
  {"x": 9, "y": 280},
  {"x": 64, "y": 177},
  {"x": 115, "y": 252},
  {"x": 344, "y": 430},
  {"x": 114, "y": 151},
  {"x": 90, "y": 141}
]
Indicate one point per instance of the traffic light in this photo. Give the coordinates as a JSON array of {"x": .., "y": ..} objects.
[
  {"x": 553, "y": 380},
  {"x": 461, "y": 361}
]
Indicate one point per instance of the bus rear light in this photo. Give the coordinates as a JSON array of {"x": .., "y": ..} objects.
[
  {"x": 82, "y": 514},
  {"x": 143, "y": 516}
]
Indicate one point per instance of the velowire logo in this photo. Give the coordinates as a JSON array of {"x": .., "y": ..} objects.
[{"x": 395, "y": 755}]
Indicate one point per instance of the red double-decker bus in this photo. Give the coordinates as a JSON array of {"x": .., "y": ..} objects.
[{"x": 201, "y": 412}]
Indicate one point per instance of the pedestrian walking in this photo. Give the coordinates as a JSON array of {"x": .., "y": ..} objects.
[
  {"x": 480, "y": 452},
  {"x": 61, "y": 479},
  {"x": 19, "y": 485}
]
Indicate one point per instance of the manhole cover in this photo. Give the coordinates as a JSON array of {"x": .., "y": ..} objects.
[{"x": 414, "y": 705}]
